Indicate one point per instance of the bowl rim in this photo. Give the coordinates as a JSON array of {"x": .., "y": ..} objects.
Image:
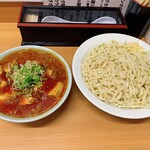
[
  {"x": 55, "y": 107},
  {"x": 78, "y": 57}
]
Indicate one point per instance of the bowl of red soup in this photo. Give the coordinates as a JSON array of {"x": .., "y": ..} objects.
[{"x": 34, "y": 82}]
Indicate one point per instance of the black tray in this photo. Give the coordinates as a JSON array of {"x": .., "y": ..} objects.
[{"x": 35, "y": 32}]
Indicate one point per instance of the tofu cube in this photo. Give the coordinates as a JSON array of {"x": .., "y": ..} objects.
[
  {"x": 3, "y": 96},
  {"x": 3, "y": 84},
  {"x": 57, "y": 90},
  {"x": 27, "y": 100}
]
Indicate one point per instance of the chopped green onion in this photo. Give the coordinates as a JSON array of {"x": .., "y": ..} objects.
[{"x": 26, "y": 77}]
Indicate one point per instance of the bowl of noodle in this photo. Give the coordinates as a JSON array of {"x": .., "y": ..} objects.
[{"x": 113, "y": 72}]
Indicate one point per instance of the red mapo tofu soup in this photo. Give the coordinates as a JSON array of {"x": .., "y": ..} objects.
[{"x": 31, "y": 82}]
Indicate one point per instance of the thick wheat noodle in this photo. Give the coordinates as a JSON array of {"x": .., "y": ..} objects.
[{"x": 119, "y": 74}]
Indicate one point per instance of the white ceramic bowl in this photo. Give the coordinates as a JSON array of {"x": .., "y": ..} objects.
[
  {"x": 76, "y": 66},
  {"x": 55, "y": 107}
]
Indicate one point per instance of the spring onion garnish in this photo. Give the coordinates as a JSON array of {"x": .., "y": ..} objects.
[{"x": 26, "y": 77}]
